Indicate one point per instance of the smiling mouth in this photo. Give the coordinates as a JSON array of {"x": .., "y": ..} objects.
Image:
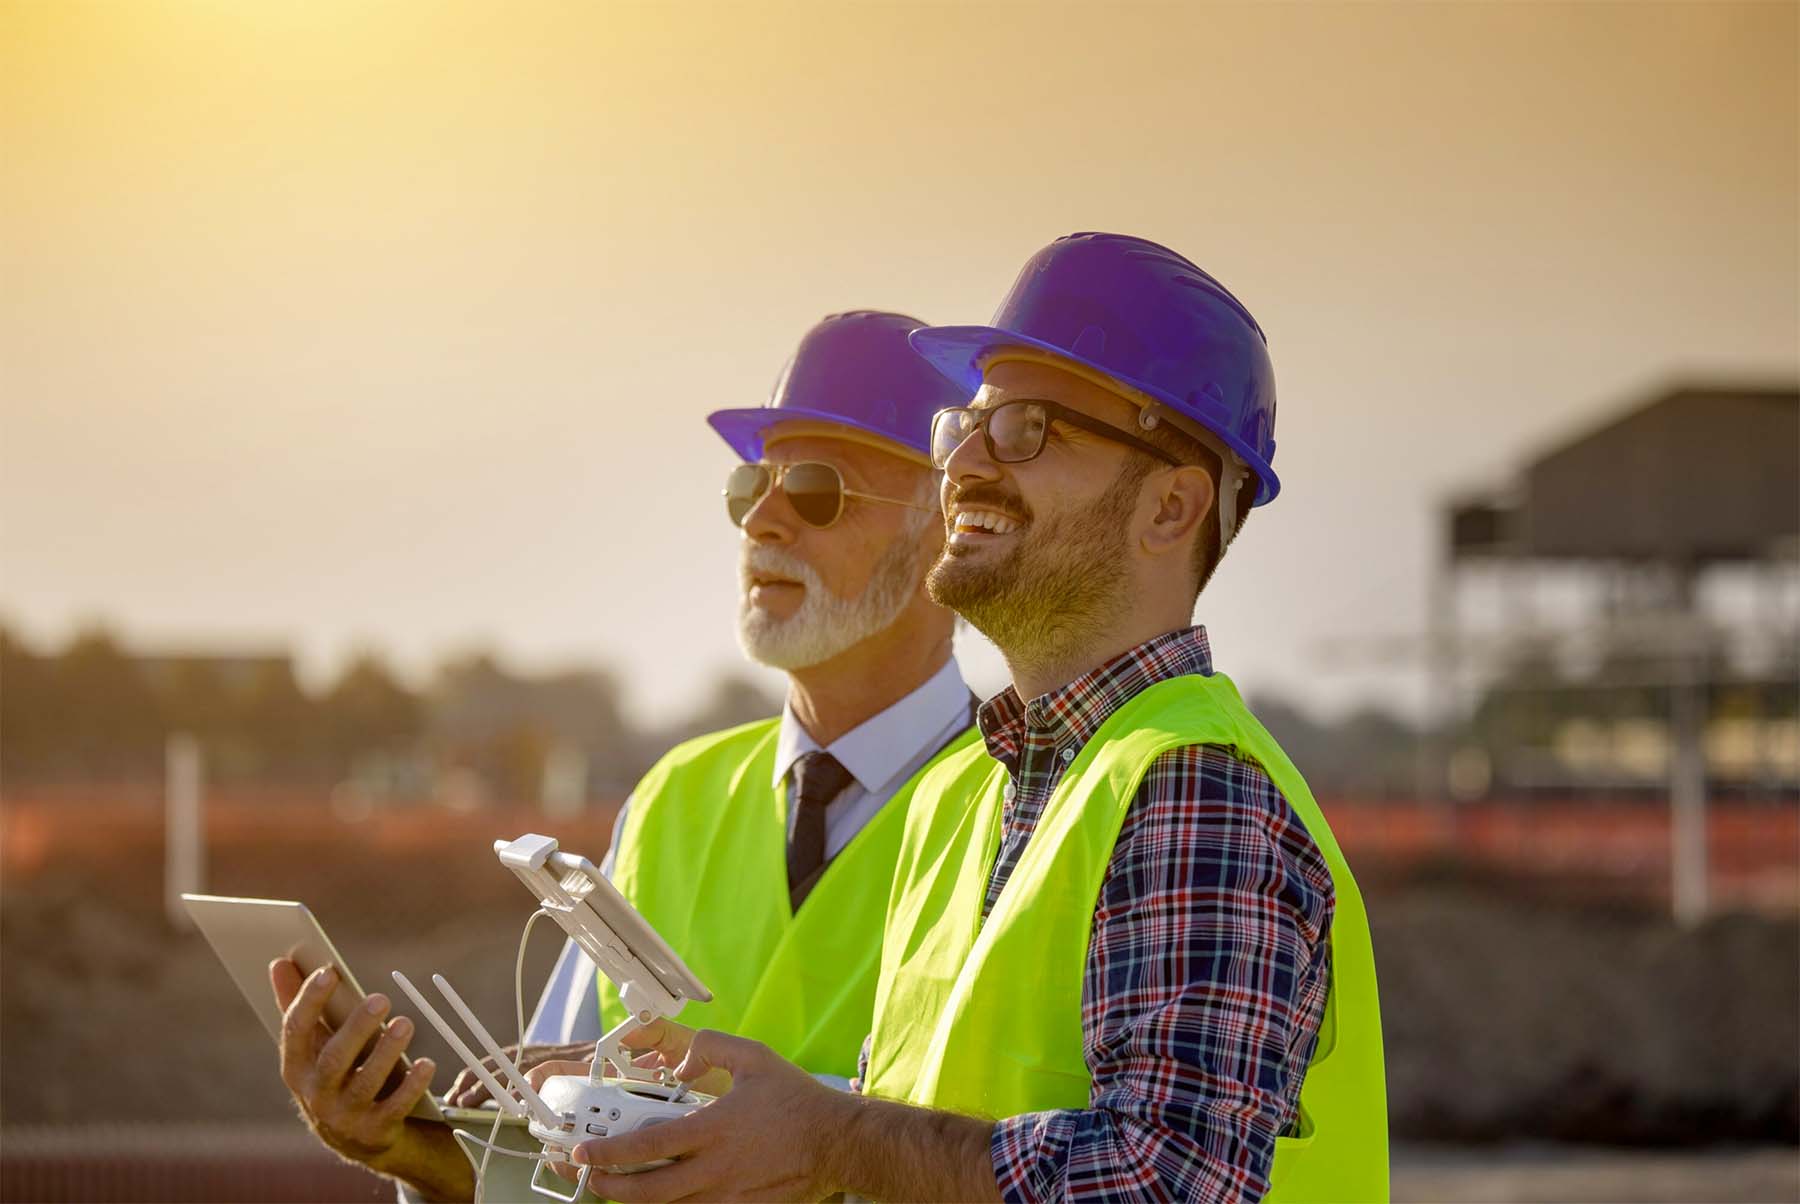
[
  {"x": 978, "y": 521},
  {"x": 764, "y": 581}
]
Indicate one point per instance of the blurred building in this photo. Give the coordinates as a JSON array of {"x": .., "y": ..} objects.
[{"x": 1621, "y": 618}]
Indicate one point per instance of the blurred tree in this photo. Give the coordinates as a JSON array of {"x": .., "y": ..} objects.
[
  {"x": 106, "y": 717},
  {"x": 735, "y": 698},
  {"x": 503, "y": 725},
  {"x": 367, "y": 710},
  {"x": 282, "y": 726},
  {"x": 192, "y": 697},
  {"x": 30, "y": 732}
]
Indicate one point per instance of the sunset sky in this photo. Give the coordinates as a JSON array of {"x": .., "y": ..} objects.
[{"x": 341, "y": 324}]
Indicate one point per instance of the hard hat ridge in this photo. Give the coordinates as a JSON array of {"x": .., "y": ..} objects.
[{"x": 855, "y": 373}]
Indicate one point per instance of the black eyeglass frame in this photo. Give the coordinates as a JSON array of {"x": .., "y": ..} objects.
[
  {"x": 1053, "y": 412},
  {"x": 773, "y": 476}
]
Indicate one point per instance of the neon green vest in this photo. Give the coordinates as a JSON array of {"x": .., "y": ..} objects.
[
  {"x": 985, "y": 1018},
  {"x": 703, "y": 855}
]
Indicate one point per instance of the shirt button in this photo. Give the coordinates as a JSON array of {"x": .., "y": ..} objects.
[{"x": 1068, "y": 754}]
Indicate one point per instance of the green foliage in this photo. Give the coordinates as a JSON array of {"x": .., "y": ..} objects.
[{"x": 93, "y": 711}]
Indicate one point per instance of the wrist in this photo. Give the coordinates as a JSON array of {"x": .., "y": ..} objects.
[
  {"x": 426, "y": 1158},
  {"x": 835, "y": 1131}
]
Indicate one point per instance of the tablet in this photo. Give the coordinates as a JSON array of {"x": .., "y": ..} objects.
[{"x": 248, "y": 934}]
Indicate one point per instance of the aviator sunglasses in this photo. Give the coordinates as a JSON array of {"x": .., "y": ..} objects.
[
  {"x": 814, "y": 489},
  {"x": 1015, "y": 431}
]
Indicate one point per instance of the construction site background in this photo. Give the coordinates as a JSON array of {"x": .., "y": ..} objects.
[
  {"x": 1534, "y": 989},
  {"x": 1552, "y": 1031}
]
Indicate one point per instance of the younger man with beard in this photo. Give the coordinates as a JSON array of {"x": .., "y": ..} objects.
[
  {"x": 1124, "y": 958},
  {"x": 764, "y": 853}
]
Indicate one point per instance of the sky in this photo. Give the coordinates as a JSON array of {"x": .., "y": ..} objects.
[{"x": 339, "y": 325}]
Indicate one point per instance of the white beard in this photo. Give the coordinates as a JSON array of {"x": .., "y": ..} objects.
[{"x": 825, "y": 625}]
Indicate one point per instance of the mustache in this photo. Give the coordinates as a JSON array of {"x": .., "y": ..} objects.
[
  {"x": 990, "y": 497},
  {"x": 775, "y": 562}
]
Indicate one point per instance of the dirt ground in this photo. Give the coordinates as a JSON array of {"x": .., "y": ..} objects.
[
  {"x": 282, "y": 1163},
  {"x": 1505, "y": 1021},
  {"x": 1549, "y": 1174}
]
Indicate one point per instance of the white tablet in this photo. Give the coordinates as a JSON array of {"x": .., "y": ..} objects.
[{"x": 248, "y": 934}]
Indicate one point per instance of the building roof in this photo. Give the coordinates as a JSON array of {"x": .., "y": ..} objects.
[{"x": 1697, "y": 474}]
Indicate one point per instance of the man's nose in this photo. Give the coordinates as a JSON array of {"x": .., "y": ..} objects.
[
  {"x": 771, "y": 519},
  {"x": 970, "y": 462}
]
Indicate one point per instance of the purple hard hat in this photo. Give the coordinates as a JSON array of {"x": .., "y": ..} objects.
[
  {"x": 1144, "y": 316},
  {"x": 852, "y": 370}
]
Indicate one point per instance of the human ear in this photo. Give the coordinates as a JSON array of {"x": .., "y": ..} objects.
[{"x": 1183, "y": 497}]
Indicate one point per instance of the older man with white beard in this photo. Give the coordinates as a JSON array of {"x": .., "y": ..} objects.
[{"x": 763, "y": 853}]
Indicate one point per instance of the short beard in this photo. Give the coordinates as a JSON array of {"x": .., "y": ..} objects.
[
  {"x": 1062, "y": 584},
  {"x": 826, "y": 625}
]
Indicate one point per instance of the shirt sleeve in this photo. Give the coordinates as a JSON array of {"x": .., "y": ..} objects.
[{"x": 1204, "y": 986}]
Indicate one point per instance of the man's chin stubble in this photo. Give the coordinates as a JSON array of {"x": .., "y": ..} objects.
[
  {"x": 983, "y": 596},
  {"x": 1035, "y": 612}
]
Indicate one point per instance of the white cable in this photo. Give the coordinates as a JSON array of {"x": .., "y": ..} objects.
[
  {"x": 494, "y": 1148},
  {"x": 489, "y": 1146}
]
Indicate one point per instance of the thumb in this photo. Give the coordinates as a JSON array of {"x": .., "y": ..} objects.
[
  {"x": 712, "y": 1050},
  {"x": 662, "y": 1035},
  {"x": 545, "y": 1070}
]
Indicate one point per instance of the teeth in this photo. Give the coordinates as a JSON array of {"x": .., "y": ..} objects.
[{"x": 984, "y": 520}]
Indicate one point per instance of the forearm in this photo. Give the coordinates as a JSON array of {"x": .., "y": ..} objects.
[
  {"x": 428, "y": 1160},
  {"x": 889, "y": 1151}
]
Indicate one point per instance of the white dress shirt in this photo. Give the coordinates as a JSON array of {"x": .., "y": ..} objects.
[{"x": 882, "y": 754}]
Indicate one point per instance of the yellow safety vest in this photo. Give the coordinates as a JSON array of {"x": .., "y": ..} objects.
[
  {"x": 984, "y": 1018},
  {"x": 703, "y": 855}
]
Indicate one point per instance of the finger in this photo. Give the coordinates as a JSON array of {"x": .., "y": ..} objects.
[
  {"x": 544, "y": 1070},
  {"x": 302, "y": 1032},
  {"x": 714, "y": 1050},
  {"x": 664, "y": 1036},
  {"x": 531, "y": 1055},
  {"x": 469, "y": 1095},
  {"x": 369, "y": 1078},
  {"x": 691, "y": 1178},
  {"x": 467, "y": 1091},
  {"x": 286, "y": 978},
  {"x": 398, "y": 1104},
  {"x": 346, "y": 1045},
  {"x": 671, "y": 1139},
  {"x": 464, "y": 1080},
  {"x": 647, "y": 1037}
]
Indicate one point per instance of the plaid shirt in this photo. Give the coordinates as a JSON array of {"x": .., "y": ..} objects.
[{"x": 1207, "y": 967}]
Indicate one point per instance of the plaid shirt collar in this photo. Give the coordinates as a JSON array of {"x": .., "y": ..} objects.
[{"x": 1069, "y": 716}]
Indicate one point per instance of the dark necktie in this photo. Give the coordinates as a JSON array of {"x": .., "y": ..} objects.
[{"x": 818, "y": 778}]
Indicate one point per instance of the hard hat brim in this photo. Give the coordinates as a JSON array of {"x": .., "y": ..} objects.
[
  {"x": 746, "y": 430},
  {"x": 961, "y": 352}
]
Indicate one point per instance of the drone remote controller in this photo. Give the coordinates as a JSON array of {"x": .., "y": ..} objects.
[{"x": 653, "y": 982}]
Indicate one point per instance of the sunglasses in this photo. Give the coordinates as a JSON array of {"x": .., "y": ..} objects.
[
  {"x": 814, "y": 489},
  {"x": 1015, "y": 431}
]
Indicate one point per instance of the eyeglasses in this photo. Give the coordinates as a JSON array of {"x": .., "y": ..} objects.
[
  {"x": 814, "y": 489},
  {"x": 1015, "y": 431}
]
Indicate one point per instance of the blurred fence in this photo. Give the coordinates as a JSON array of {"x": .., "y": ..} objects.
[{"x": 296, "y": 843}]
